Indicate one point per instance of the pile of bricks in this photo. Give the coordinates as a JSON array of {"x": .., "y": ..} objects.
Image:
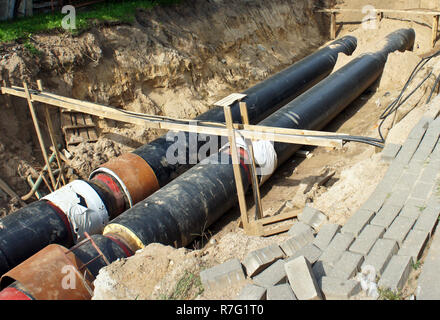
[{"x": 389, "y": 232}]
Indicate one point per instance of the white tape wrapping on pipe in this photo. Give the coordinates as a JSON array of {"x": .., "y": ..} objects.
[
  {"x": 265, "y": 156},
  {"x": 83, "y": 207}
]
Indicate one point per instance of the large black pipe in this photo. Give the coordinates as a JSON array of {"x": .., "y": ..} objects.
[
  {"x": 29, "y": 230},
  {"x": 183, "y": 209},
  {"x": 262, "y": 100}
]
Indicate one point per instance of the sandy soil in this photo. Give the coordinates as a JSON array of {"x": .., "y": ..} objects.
[{"x": 172, "y": 62}]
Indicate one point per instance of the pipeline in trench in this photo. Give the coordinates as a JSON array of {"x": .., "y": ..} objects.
[{"x": 86, "y": 206}]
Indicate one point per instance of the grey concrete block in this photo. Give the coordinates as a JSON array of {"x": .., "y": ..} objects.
[
  {"x": 381, "y": 254},
  {"x": 321, "y": 269},
  {"x": 337, "y": 289},
  {"x": 301, "y": 228},
  {"x": 386, "y": 216},
  {"x": 252, "y": 292},
  {"x": 223, "y": 275},
  {"x": 407, "y": 151},
  {"x": 256, "y": 261},
  {"x": 421, "y": 190},
  {"x": 390, "y": 151},
  {"x": 313, "y": 217},
  {"x": 396, "y": 273},
  {"x": 302, "y": 280},
  {"x": 398, "y": 198},
  {"x": 340, "y": 243},
  {"x": 429, "y": 279},
  {"x": 272, "y": 275},
  {"x": 326, "y": 235},
  {"x": 415, "y": 202},
  {"x": 406, "y": 181},
  {"x": 357, "y": 222},
  {"x": 310, "y": 252},
  {"x": 428, "y": 219},
  {"x": 420, "y": 128},
  {"x": 375, "y": 201},
  {"x": 399, "y": 229},
  {"x": 280, "y": 292},
  {"x": 366, "y": 240},
  {"x": 296, "y": 243},
  {"x": 414, "y": 244},
  {"x": 409, "y": 211},
  {"x": 348, "y": 266},
  {"x": 429, "y": 175}
]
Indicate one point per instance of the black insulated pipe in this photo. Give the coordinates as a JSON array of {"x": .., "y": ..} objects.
[
  {"x": 262, "y": 100},
  {"x": 30, "y": 229},
  {"x": 111, "y": 248},
  {"x": 183, "y": 209}
]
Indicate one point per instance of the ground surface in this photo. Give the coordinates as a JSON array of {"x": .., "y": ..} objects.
[{"x": 166, "y": 65}]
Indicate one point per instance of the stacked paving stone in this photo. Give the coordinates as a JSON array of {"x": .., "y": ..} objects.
[{"x": 389, "y": 232}]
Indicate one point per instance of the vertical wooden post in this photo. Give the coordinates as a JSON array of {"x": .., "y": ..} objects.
[
  {"x": 255, "y": 186},
  {"x": 333, "y": 26},
  {"x": 434, "y": 30},
  {"x": 52, "y": 138},
  {"x": 39, "y": 135},
  {"x": 8, "y": 101},
  {"x": 236, "y": 166},
  {"x": 379, "y": 16}
]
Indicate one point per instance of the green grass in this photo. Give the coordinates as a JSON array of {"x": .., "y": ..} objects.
[
  {"x": 188, "y": 287},
  {"x": 109, "y": 12},
  {"x": 387, "y": 294}
]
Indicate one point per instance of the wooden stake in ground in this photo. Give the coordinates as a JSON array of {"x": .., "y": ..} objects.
[
  {"x": 434, "y": 30},
  {"x": 40, "y": 137},
  {"x": 52, "y": 138},
  {"x": 255, "y": 186},
  {"x": 236, "y": 166},
  {"x": 333, "y": 26}
]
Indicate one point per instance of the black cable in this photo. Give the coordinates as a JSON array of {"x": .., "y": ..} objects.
[
  {"x": 433, "y": 88},
  {"x": 398, "y": 102}
]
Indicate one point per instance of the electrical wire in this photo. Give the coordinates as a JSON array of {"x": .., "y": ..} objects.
[{"x": 398, "y": 102}]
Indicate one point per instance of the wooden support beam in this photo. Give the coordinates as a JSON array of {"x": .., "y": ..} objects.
[
  {"x": 236, "y": 166},
  {"x": 416, "y": 12},
  {"x": 255, "y": 185},
  {"x": 4, "y": 186},
  {"x": 53, "y": 138},
  {"x": 250, "y": 131},
  {"x": 434, "y": 30},
  {"x": 39, "y": 135},
  {"x": 333, "y": 26}
]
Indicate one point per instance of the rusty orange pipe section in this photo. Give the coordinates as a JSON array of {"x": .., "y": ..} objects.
[
  {"x": 134, "y": 176},
  {"x": 54, "y": 273}
]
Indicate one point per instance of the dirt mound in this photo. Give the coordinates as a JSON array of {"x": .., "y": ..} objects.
[{"x": 174, "y": 61}]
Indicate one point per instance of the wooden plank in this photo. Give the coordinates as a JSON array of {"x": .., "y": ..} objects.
[
  {"x": 39, "y": 135},
  {"x": 236, "y": 166},
  {"x": 52, "y": 136},
  {"x": 278, "y": 218},
  {"x": 4, "y": 186},
  {"x": 278, "y": 230},
  {"x": 229, "y": 100},
  {"x": 255, "y": 132},
  {"x": 333, "y": 26},
  {"x": 255, "y": 185},
  {"x": 416, "y": 12},
  {"x": 434, "y": 30}
]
